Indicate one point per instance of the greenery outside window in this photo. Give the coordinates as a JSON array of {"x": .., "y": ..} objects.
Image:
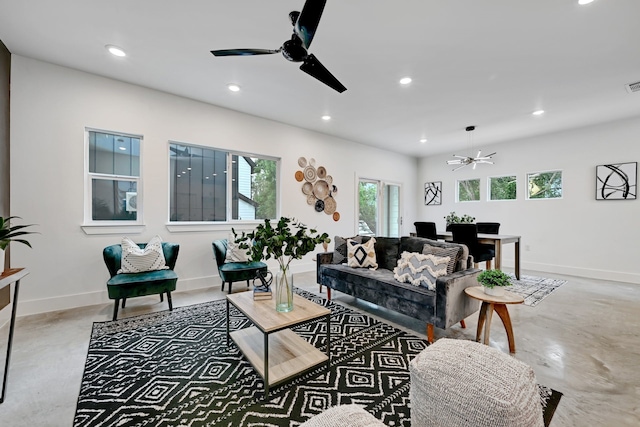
[
  {"x": 468, "y": 190},
  {"x": 212, "y": 185},
  {"x": 113, "y": 176},
  {"x": 502, "y": 187},
  {"x": 544, "y": 185}
]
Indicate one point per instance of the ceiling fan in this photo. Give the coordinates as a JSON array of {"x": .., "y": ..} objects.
[
  {"x": 466, "y": 160},
  {"x": 304, "y": 24}
]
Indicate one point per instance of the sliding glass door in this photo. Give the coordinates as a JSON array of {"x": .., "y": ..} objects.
[{"x": 379, "y": 212}]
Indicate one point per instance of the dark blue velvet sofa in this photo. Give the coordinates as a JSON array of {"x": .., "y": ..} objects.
[{"x": 444, "y": 307}]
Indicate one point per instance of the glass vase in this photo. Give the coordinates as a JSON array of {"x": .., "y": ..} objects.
[{"x": 284, "y": 290}]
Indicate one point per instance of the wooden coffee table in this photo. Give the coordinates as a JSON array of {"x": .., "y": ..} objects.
[
  {"x": 499, "y": 304},
  {"x": 275, "y": 351}
]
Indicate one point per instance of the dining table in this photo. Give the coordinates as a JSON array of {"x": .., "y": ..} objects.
[{"x": 497, "y": 240}]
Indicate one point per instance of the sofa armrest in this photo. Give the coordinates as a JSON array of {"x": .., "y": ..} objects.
[
  {"x": 322, "y": 258},
  {"x": 452, "y": 304}
]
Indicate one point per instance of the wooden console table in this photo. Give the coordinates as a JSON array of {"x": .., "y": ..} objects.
[{"x": 12, "y": 275}]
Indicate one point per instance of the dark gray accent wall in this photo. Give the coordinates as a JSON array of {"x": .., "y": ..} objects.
[{"x": 5, "y": 73}]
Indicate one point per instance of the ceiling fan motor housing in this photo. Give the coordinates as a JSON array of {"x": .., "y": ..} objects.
[{"x": 293, "y": 50}]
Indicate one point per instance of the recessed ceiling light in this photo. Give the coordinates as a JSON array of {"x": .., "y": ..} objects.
[
  {"x": 583, "y": 2},
  {"x": 538, "y": 112},
  {"x": 115, "y": 50},
  {"x": 405, "y": 80},
  {"x": 423, "y": 140},
  {"x": 326, "y": 118},
  {"x": 123, "y": 148},
  {"x": 233, "y": 87}
]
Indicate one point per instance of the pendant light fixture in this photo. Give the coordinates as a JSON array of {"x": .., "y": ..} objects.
[{"x": 466, "y": 160}]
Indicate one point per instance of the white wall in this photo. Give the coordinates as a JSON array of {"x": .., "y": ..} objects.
[
  {"x": 576, "y": 235},
  {"x": 50, "y": 108}
]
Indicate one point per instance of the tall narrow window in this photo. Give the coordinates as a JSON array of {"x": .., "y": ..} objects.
[
  {"x": 210, "y": 185},
  {"x": 379, "y": 208},
  {"x": 113, "y": 177}
]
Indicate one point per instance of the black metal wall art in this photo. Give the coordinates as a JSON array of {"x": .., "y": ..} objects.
[
  {"x": 433, "y": 193},
  {"x": 616, "y": 181}
]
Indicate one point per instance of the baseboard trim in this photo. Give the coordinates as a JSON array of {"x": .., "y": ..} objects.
[{"x": 589, "y": 273}]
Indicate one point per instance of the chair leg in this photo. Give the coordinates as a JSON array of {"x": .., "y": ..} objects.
[
  {"x": 247, "y": 284},
  {"x": 222, "y": 289},
  {"x": 462, "y": 324},
  {"x": 161, "y": 297},
  {"x": 430, "y": 333},
  {"x": 230, "y": 283},
  {"x": 320, "y": 289},
  {"x": 124, "y": 302},
  {"x": 115, "y": 309},
  {"x": 329, "y": 293},
  {"x": 489, "y": 265},
  {"x": 169, "y": 300}
]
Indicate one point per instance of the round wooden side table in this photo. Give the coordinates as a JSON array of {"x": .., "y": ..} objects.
[{"x": 499, "y": 304}]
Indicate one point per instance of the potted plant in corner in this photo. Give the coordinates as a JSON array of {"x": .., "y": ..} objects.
[
  {"x": 287, "y": 241},
  {"x": 494, "y": 282},
  {"x": 9, "y": 233}
]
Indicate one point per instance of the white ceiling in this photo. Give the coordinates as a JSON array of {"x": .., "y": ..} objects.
[{"x": 488, "y": 63}]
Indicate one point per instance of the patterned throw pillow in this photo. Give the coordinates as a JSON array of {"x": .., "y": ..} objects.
[
  {"x": 452, "y": 253},
  {"x": 420, "y": 270},
  {"x": 136, "y": 260},
  {"x": 234, "y": 253},
  {"x": 340, "y": 248},
  {"x": 361, "y": 255}
]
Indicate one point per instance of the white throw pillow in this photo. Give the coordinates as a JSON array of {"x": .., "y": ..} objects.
[
  {"x": 137, "y": 260},
  {"x": 234, "y": 253},
  {"x": 420, "y": 270},
  {"x": 362, "y": 255}
]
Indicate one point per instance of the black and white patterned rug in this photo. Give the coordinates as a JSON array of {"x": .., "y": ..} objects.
[
  {"x": 174, "y": 369},
  {"x": 533, "y": 289}
]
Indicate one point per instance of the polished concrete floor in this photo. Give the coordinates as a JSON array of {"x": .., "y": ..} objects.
[{"x": 582, "y": 340}]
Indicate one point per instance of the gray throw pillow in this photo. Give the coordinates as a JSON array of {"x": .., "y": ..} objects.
[
  {"x": 340, "y": 248},
  {"x": 452, "y": 253}
]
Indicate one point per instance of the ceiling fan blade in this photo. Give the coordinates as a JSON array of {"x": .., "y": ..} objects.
[
  {"x": 243, "y": 52},
  {"x": 307, "y": 23},
  {"x": 315, "y": 69}
]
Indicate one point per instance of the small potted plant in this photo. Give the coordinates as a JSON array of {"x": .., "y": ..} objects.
[
  {"x": 9, "y": 233},
  {"x": 494, "y": 282},
  {"x": 286, "y": 241},
  {"x": 453, "y": 218}
]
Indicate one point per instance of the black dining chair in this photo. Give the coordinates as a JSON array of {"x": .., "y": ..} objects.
[
  {"x": 467, "y": 234},
  {"x": 488, "y": 227},
  {"x": 426, "y": 229}
]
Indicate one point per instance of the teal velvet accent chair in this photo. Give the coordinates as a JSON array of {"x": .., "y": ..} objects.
[
  {"x": 128, "y": 285},
  {"x": 234, "y": 271}
]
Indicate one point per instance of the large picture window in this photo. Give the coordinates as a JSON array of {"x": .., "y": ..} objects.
[
  {"x": 544, "y": 185},
  {"x": 113, "y": 177},
  {"x": 211, "y": 185},
  {"x": 468, "y": 190},
  {"x": 502, "y": 187}
]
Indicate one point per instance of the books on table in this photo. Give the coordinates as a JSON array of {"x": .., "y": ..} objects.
[{"x": 260, "y": 294}]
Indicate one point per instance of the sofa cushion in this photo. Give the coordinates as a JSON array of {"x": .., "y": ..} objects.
[
  {"x": 234, "y": 253},
  {"x": 137, "y": 260},
  {"x": 340, "y": 247},
  {"x": 420, "y": 270},
  {"x": 387, "y": 252},
  {"x": 451, "y": 253},
  {"x": 416, "y": 244},
  {"x": 361, "y": 255}
]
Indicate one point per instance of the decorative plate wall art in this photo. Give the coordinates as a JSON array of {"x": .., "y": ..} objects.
[
  {"x": 317, "y": 187},
  {"x": 616, "y": 181}
]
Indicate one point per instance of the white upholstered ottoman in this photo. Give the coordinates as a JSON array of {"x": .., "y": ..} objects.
[
  {"x": 343, "y": 416},
  {"x": 463, "y": 383}
]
